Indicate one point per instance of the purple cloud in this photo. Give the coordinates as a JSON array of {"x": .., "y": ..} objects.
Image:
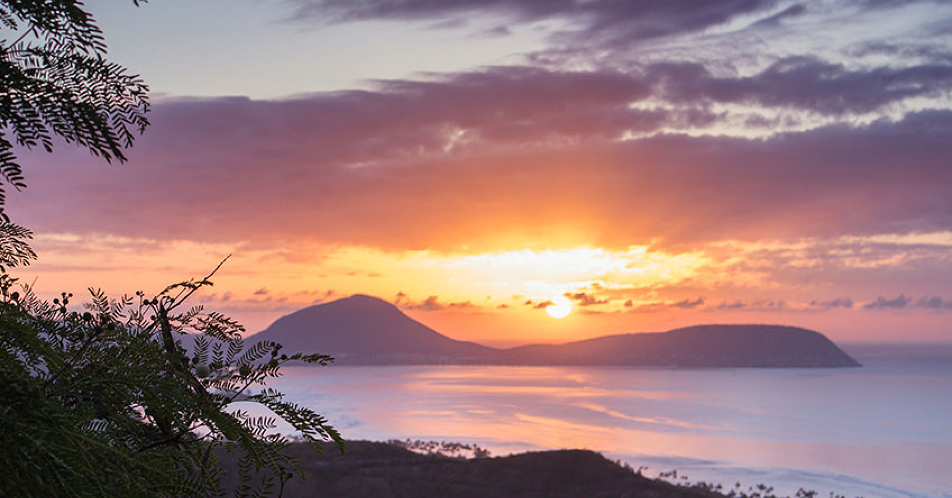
[
  {"x": 432, "y": 303},
  {"x": 634, "y": 19},
  {"x": 840, "y": 302},
  {"x": 689, "y": 303},
  {"x": 802, "y": 83},
  {"x": 934, "y": 302},
  {"x": 904, "y": 302},
  {"x": 585, "y": 299},
  {"x": 457, "y": 160},
  {"x": 882, "y": 303}
]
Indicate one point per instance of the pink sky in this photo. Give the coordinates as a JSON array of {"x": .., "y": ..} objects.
[{"x": 660, "y": 164}]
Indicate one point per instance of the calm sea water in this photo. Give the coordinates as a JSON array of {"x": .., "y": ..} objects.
[{"x": 881, "y": 430}]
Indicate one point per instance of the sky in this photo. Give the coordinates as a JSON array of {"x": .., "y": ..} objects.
[{"x": 657, "y": 163}]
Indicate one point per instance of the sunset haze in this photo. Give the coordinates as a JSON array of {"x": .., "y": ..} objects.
[{"x": 658, "y": 164}]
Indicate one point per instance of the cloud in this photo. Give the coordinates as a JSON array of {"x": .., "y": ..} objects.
[
  {"x": 735, "y": 305},
  {"x": 889, "y": 4},
  {"x": 802, "y": 83},
  {"x": 903, "y": 302},
  {"x": 934, "y": 302},
  {"x": 756, "y": 305},
  {"x": 688, "y": 303},
  {"x": 432, "y": 303},
  {"x": 489, "y": 160},
  {"x": 795, "y": 10},
  {"x": 603, "y": 33},
  {"x": 256, "y": 301},
  {"x": 840, "y": 302},
  {"x": 636, "y": 19},
  {"x": 585, "y": 299},
  {"x": 881, "y": 303},
  {"x": 631, "y": 306},
  {"x": 917, "y": 49},
  {"x": 746, "y": 305},
  {"x": 633, "y": 19},
  {"x": 929, "y": 302}
]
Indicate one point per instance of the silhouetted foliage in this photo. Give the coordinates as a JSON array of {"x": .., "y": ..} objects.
[
  {"x": 108, "y": 402},
  {"x": 56, "y": 81},
  {"x": 105, "y": 400},
  {"x": 447, "y": 449}
]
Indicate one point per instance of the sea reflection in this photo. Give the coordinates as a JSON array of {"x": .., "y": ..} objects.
[{"x": 824, "y": 421}]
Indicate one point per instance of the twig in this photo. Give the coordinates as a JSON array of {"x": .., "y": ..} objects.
[
  {"x": 18, "y": 40},
  {"x": 179, "y": 299}
]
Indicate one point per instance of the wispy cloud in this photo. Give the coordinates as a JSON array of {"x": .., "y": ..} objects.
[
  {"x": 934, "y": 302},
  {"x": 902, "y": 302},
  {"x": 431, "y": 303},
  {"x": 882, "y": 303},
  {"x": 584, "y": 299},
  {"x": 803, "y": 84},
  {"x": 376, "y": 160},
  {"x": 634, "y": 19},
  {"x": 840, "y": 302}
]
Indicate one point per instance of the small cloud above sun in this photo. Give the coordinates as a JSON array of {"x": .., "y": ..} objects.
[{"x": 560, "y": 307}]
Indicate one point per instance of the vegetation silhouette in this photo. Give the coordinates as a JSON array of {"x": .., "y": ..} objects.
[
  {"x": 104, "y": 400},
  {"x": 55, "y": 81},
  {"x": 107, "y": 402},
  {"x": 443, "y": 468}
]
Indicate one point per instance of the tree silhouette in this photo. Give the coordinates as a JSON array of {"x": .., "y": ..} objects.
[
  {"x": 110, "y": 401},
  {"x": 56, "y": 82}
]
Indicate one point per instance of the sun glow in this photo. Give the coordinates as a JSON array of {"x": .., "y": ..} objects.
[{"x": 560, "y": 307}]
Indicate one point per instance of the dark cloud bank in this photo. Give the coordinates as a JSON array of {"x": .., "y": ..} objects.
[
  {"x": 476, "y": 158},
  {"x": 902, "y": 301},
  {"x": 643, "y": 19},
  {"x": 615, "y": 22},
  {"x": 503, "y": 156}
]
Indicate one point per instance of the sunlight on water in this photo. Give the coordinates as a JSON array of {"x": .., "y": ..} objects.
[{"x": 880, "y": 430}]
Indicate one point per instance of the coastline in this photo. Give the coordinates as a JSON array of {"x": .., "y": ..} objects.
[
  {"x": 878, "y": 424},
  {"x": 432, "y": 468}
]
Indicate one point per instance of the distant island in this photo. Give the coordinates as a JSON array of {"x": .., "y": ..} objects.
[{"x": 365, "y": 330}]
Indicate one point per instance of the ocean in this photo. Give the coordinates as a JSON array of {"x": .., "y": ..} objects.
[{"x": 881, "y": 430}]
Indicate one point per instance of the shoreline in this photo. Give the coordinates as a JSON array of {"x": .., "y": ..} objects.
[
  {"x": 441, "y": 468},
  {"x": 732, "y": 425}
]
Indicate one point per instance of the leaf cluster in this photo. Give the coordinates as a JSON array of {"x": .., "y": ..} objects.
[
  {"x": 56, "y": 82},
  {"x": 135, "y": 396}
]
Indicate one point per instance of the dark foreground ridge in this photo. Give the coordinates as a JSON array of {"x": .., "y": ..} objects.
[
  {"x": 364, "y": 330},
  {"x": 381, "y": 470}
]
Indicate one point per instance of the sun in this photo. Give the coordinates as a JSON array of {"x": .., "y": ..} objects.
[{"x": 560, "y": 307}]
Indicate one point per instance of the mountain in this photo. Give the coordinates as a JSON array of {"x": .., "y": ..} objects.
[
  {"x": 366, "y": 330},
  {"x": 698, "y": 346}
]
